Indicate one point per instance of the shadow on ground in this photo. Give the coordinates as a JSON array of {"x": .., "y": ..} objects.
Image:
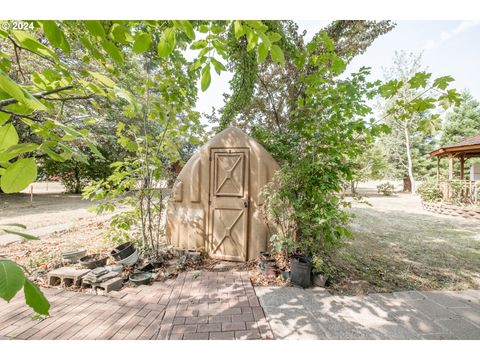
[{"x": 295, "y": 313}]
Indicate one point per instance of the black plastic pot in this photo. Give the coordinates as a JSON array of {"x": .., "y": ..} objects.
[
  {"x": 267, "y": 262},
  {"x": 123, "y": 251},
  {"x": 90, "y": 262},
  {"x": 193, "y": 254},
  {"x": 300, "y": 271}
]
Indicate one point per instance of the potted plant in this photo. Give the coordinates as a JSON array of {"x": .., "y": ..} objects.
[
  {"x": 271, "y": 269},
  {"x": 194, "y": 255},
  {"x": 284, "y": 248},
  {"x": 153, "y": 258}
]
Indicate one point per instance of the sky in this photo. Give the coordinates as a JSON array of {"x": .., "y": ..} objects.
[{"x": 449, "y": 48}]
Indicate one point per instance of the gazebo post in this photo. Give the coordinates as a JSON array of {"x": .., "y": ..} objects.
[
  {"x": 450, "y": 167},
  {"x": 462, "y": 168},
  {"x": 450, "y": 174},
  {"x": 438, "y": 169},
  {"x": 462, "y": 176}
]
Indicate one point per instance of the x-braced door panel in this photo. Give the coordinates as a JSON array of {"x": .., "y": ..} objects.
[{"x": 229, "y": 170}]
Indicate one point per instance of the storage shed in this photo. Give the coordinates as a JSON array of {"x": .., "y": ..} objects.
[{"x": 216, "y": 198}]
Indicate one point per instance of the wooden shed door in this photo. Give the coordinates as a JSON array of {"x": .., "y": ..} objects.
[{"x": 228, "y": 220}]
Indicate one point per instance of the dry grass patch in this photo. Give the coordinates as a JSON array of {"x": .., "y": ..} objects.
[{"x": 396, "y": 245}]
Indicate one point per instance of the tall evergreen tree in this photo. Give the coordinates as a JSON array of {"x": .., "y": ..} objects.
[{"x": 463, "y": 121}]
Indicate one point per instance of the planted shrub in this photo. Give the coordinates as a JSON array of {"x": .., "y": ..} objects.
[
  {"x": 430, "y": 191},
  {"x": 457, "y": 193},
  {"x": 386, "y": 189}
]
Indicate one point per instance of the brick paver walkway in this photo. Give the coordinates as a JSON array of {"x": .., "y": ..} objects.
[
  {"x": 195, "y": 305},
  {"x": 224, "y": 305},
  {"x": 315, "y": 314}
]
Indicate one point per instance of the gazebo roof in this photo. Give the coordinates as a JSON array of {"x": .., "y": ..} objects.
[{"x": 468, "y": 147}]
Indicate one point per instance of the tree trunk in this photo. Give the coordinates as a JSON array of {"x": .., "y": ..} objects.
[
  {"x": 409, "y": 161},
  {"x": 78, "y": 187},
  {"x": 353, "y": 188},
  {"x": 407, "y": 186}
]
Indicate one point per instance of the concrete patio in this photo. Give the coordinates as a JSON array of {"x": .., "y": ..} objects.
[{"x": 295, "y": 313}]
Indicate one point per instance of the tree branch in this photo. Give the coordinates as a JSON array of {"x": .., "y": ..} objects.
[
  {"x": 33, "y": 52},
  {"x": 272, "y": 102},
  {"x": 17, "y": 114},
  {"x": 17, "y": 57},
  {"x": 40, "y": 95},
  {"x": 415, "y": 98},
  {"x": 63, "y": 99}
]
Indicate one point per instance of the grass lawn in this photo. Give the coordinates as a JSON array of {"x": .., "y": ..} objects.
[{"x": 397, "y": 245}]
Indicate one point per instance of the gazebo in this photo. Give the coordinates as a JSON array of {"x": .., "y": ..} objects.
[{"x": 465, "y": 149}]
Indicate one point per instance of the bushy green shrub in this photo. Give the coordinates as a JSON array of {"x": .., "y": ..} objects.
[
  {"x": 430, "y": 191},
  {"x": 75, "y": 174},
  {"x": 386, "y": 188},
  {"x": 457, "y": 193},
  {"x": 318, "y": 265}
]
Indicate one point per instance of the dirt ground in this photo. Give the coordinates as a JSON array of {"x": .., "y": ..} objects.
[
  {"x": 61, "y": 221},
  {"x": 48, "y": 208},
  {"x": 397, "y": 245}
]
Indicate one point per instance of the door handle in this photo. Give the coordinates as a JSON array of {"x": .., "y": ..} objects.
[{"x": 245, "y": 204}]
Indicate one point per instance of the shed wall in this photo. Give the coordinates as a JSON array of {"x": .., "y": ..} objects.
[{"x": 189, "y": 211}]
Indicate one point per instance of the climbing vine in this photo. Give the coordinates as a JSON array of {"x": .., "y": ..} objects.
[
  {"x": 244, "y": 65},
  {"x": 244, "y": 62}
]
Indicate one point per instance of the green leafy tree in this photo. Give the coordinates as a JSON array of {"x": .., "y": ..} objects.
[
  {"x": 316, "y": 145},
  {"x": 38, "y": 99},
  {"x": 411, "y": 108},
  {"x": 372, "y": 165},
  {"x": 101, "y": 122},
  {"x": 321, "y": 132},
  {"x": 76, "y": 174},
  {"x": 268, "y": 95},
  {"x": 73, "y": 67}
]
